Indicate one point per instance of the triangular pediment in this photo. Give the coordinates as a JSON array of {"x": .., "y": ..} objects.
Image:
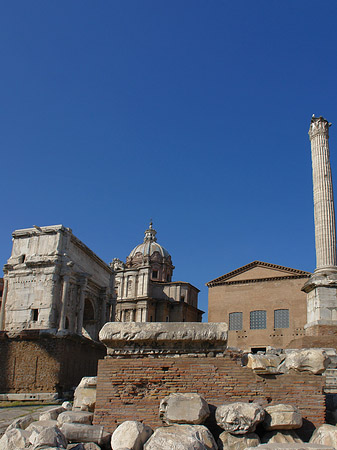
[{"x": 258, "y": 271}]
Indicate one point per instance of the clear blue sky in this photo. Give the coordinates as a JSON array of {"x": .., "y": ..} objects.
[{"x": 193, "y": 113}]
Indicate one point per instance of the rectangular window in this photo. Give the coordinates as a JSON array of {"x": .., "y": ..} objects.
[
  {"x": 235, "y": 321},
  {"x": 258, "y": 320},
  {"x": 35, "y": 315},
  {"x": 281, "y": 318},
  {"x": 155, "y": 274}
]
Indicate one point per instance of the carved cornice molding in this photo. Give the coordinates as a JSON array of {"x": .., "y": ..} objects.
[
  {"x": 258, "y": 280},
  {"x": 318, "y": 125},
  {"x": 293, "y": 273}
]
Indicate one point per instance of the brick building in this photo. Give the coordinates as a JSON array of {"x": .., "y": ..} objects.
[{"x": 262, "y": 303}]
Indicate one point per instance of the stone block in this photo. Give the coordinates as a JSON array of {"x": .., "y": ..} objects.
[
  {"x": 75, "y": 417},
  {"x": 280, "y": 437},
  {"x": 239, "y": 417},
  {"x": 264, "y": 364},
  {"x": 85, "y": 394},
  {"x": 228, "y": 441},
  {"x": 163, "y": 337},
  {"x": 312, "y": 360},
  {"x": 51, "y": 436},
  {"x": 282, "y": 417},
  {"x": 78, "y": 432},
  {"x": 325, "y": 435},
  {"x": 181, "y": 437},
  {"x": 14, "y": 439},
  {"x": 51, "y": 414},
  {"x": 39, "y": 425},
  {"x": 130, "y": 434},
  {"x": 184, "y": 408}
]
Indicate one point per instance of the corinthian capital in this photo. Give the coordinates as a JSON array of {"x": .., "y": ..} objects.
[{"x": 318, "y": 125}]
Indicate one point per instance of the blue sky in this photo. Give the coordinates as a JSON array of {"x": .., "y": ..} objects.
[{"x": 192, "y": 113}]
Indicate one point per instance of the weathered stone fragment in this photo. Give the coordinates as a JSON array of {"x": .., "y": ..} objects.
[
  {"x": 184, "y": 408},
  {"x": 67, "y": 406},
  {"x": 280, "y": 437},
  {"x": 264, "y": 364},
  {"x": 130, "y": 434},
  {"x": 164, "y": 337},
  {"x": 14, "y": 439},
  {"x": 78, "y": 432},
  {"x": 239, "y": 417},
  {"x": 39, "y": 425},
  {"x": 75, "y": 417},
  {"x": 21, "y": 423},
  {"x": 312, "y": 360},
  {"x": 282, "y": 417},
  {"x": 325, "y": 435},
  {"x": 228, "y": 441},
  {"x": 85, "y": 394},
  {"x": 51, "y": 414},
  {"x": 51, "y": 436},
  {"x": 181, "y": 437}
]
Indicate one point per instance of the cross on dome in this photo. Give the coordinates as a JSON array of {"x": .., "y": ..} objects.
[{"x": 150, "y": 234}]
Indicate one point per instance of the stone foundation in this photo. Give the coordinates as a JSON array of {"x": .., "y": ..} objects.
[{"x": 34, "y": 362}]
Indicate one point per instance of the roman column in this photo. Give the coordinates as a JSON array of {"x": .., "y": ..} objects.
[{"x": 321, "y": 288}]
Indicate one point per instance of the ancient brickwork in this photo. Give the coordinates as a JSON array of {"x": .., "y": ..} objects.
[
  {"x": 33, "y": 363},
  {"x": 131, "y": 389}
]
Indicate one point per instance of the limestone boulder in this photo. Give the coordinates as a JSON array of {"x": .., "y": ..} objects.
[
  {"x": 51, "y": 436},
  {"x": 130, "y": 434},
  {"x": 312, "y": 360},
  {"x": 85, "y": 417},
  {"x": 239, "y": 417},
  {"x": 14, "y": 439},
  {"x": 51, "y": 414},
  {"x": 228, "y": 441},
  {"x": 184, "y": 408},
  {"x": 264, "y": 363},
  {"x": 325, "y": 435},
  {"x": 78, "y": 432},
  {"x": 85, "y": 394},
  {"x": 280, "y": 437},
  {"x": 282, "y": 417},
  {"x": 181, "y": 437}
]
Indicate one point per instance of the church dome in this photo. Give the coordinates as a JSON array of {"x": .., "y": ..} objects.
[{"x": 149, "y": 246}]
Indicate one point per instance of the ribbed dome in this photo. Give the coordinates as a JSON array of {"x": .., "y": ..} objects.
[{"x": 150, "y": 245}]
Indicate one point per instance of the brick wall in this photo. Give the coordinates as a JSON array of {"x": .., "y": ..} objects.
[
  {"x": 131, "y": 389},
  {"x": 30, "y": 362}
]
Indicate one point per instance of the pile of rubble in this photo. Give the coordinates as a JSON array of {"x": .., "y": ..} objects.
[{"x": 183, "y": 415}]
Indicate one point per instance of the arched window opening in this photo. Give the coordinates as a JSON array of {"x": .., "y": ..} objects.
[{"x": 89, "y": 313}]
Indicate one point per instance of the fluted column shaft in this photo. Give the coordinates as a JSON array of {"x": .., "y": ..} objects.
[{"x": 324, "y": 211}]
